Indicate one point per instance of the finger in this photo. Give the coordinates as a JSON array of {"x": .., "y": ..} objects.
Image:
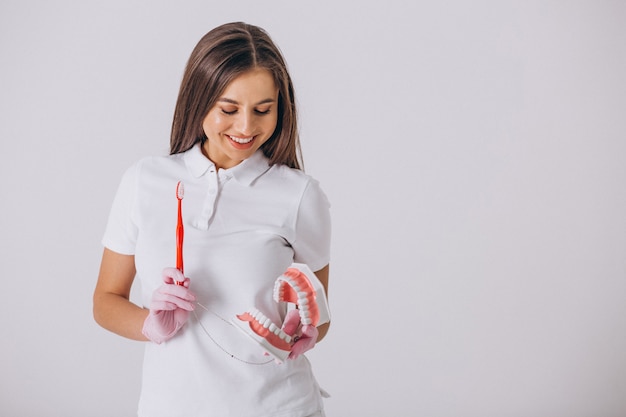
[
  {"x": 162, "y": 305},
  {"x": 183, "y": 293},
  {"x": 310, "y": 331},
  {"x": 300, "y": 347},
  {"x": 171, "y": 275},
  {"x": 170, "y": 299},
  {"x": 306, "y": 341},
  {"x": 293, "y": 354}
]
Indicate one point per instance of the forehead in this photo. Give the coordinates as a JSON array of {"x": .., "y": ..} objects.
[{"x": 251, "y": 86}]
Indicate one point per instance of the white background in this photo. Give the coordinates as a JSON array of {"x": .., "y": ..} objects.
[{"x": 474, "y": 153}]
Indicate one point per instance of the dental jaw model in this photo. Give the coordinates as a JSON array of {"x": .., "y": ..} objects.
[{"x": 300, "y": 288}]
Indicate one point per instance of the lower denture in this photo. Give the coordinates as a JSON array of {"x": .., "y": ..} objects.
[{"x": 264, "y": 332}]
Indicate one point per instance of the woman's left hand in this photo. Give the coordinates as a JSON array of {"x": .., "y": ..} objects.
[{"x": 307, "y": 338}]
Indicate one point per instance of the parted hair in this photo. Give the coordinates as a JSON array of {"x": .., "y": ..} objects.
[{"x": 219, "y": 57}]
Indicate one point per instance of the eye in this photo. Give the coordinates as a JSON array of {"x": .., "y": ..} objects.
[
  {"x": 263, "y": 111},
  {"x": 229, "y": 111}
]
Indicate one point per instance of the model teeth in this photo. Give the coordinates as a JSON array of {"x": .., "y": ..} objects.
[
  {"x": 242, "y": 141},
  {"x": 305, "y": 300},
  {"x": 267, "y": 323},
  {"x": 294, "y": 286}
]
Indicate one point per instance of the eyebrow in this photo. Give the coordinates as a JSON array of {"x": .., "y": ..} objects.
[{"x": 231, "y": 101}]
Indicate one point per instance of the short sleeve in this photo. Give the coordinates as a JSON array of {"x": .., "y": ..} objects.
[
  {"x": 121, "y": 231},
  {"x": 313, "y": 228}
]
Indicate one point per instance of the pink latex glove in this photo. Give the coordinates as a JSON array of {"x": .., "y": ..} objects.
[
  {"x": 306, "y": 340},
  {"x": 169, "y": 308}
]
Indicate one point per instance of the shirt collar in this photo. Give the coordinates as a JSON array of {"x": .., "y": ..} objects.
[
  {"x": 246, "y": 172},
  {"x": 196, "y": 162},
  {"x": 250, "y": 169}
]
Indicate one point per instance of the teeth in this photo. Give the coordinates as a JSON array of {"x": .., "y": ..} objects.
[
  {"x": 241, "y": 140},
  {"x": 267, "y": 323}
]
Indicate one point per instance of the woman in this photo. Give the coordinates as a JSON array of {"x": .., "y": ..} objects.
[{"x": 249, "y": 212}]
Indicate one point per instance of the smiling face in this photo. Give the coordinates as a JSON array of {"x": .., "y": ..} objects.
[{"x": 243, "y": 118}]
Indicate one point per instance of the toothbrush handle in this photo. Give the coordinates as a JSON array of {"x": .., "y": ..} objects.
[{"x": 180, "y": 233}]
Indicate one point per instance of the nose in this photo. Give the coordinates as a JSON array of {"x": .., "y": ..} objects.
[{"x": 245, "y": 124}]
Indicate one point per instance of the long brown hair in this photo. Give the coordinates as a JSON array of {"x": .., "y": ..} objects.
[{"x": 219, "y": 57}]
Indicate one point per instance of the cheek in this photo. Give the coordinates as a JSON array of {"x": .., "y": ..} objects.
[
  {"x": 213, "y": 123},
  {"x": 270, "y": 124}
]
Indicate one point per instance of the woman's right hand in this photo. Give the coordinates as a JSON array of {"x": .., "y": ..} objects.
[{"x": 169, "y": 308}]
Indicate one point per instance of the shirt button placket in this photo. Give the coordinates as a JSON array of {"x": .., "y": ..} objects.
[{"x": 209, "y": 202}]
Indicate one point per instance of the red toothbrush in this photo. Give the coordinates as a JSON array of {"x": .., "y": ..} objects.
[{"x": 180, "y": 229}]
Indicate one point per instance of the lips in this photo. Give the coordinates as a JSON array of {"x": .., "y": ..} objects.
[{"x": 240, "y": 142}]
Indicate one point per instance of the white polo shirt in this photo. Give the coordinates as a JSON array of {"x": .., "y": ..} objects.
[{"x": 244, "y": 226}]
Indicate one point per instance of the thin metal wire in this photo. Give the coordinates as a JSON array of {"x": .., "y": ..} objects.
[{"x": 215, "y": 341}]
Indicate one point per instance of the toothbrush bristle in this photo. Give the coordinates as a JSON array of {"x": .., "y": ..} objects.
[{"x": 180, "y": 190}]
